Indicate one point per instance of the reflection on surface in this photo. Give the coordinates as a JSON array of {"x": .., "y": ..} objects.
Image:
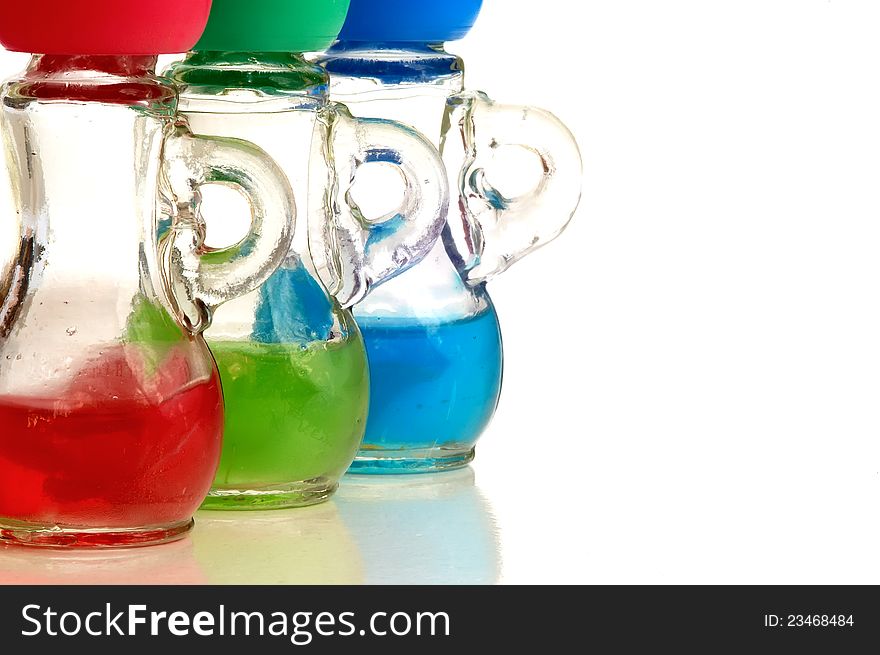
[
  {"x": 419, "y": 529},
  {"x": 168, "y": 564},
  {"x": 422, "y": 529},
  {"x": 310, "y": 545}
]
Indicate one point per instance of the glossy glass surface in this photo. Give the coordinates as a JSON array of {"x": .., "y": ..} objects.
[
  {"x": 110, "y": 403},
  {"x": 437, "y": 315},
  {"x": 292, "y": 360}
]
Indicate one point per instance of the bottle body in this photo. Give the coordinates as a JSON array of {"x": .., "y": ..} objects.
[
  {"x": 111, "y": 408},
  {"x": 435, "y": 383},
  {"x": 426, "y": 415},
  {"x": 291, "y": 359}
]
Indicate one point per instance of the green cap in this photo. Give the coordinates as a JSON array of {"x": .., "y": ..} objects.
[{"x": 273, "y": 25}]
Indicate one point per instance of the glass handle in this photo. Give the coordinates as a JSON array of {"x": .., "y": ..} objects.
[
  {"x": 203, "y": 278},
  {"x": 497, "y": 230},
  {"x": 355, "y": 254}
]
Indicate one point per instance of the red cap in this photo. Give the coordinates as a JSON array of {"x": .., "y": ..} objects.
[{"x": 103, "y": 27}]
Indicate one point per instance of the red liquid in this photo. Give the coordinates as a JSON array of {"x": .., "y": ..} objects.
[{"x": 122, "y": 448}]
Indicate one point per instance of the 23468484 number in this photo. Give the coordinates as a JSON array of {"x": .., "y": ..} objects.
[{"x": 819, "y": 620}]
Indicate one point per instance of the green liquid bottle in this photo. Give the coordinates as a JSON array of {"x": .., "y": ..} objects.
[{"x": 292, "y": 361}]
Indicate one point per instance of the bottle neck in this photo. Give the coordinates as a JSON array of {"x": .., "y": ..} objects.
[
  {"x": 394, "y": 62},
  {"x": 272, "y": 73},
  {"x": 406, "y": 82},
  {"x": 113, "y": 79},
  {"x": 427, "y": 48},
  {"x": 124, "y": 80},
  {"x": 117, "y": 65}
]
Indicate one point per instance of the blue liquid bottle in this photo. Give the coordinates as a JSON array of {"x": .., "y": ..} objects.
[{"x": 432, "y": 334}]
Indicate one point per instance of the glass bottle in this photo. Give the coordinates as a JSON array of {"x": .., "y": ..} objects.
[
  {"x": 111, "y": 410},
  {"x": 432, "y": 334},
  {"x": 291, "y": 358}
]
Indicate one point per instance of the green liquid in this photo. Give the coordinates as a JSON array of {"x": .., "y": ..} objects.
[{"x": 293, "y": 414}]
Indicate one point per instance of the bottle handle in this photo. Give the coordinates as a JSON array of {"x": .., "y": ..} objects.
[
  {"x": 203, "y": 278},
  {"x": 352, "y": 254},
  {"x": 495, "y": 231}
]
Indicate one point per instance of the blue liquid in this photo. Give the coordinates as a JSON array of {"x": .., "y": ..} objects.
[{"x": 433, "y": 389}]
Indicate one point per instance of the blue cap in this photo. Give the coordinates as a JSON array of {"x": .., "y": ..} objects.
[{"x": 409, "y": 21}]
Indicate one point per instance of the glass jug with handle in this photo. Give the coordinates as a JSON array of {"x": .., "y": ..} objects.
[
  {"x": 111, "y": 411},
  {"x": 432, "y": 334},
  {"x": 291, "y": 357}
]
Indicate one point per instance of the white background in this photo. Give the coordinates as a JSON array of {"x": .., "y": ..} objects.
[{"x": 692, "y": 391}]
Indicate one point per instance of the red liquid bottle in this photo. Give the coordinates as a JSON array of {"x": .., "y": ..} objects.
[{"x": 111, "y": 412}]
